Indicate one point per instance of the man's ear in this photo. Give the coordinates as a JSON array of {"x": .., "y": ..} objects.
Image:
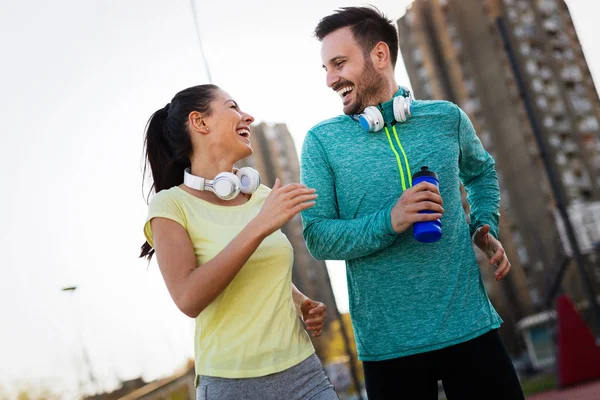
[{"x": 380, "y": 56}]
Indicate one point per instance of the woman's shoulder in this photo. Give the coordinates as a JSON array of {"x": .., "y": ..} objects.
[
  {"x": 170, "y": 193},
  {"x": 167, "y": 196}
]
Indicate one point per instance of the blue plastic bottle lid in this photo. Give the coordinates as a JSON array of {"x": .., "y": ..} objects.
[{"x": 425, "y": 172}]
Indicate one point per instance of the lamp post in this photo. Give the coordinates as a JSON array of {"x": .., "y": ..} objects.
[{"x": 85, "y": 356}]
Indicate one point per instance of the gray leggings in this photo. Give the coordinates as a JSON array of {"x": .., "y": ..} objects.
[{"x": 304, "y": 381}]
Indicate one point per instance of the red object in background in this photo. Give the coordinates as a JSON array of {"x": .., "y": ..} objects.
[{"x": 578, "y": 356}]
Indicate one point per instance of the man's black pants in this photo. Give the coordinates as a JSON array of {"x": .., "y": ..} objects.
[{"x": 477, "y": 369}]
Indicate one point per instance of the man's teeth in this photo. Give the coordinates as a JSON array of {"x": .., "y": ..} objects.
[
  {"x": 243, "y": 132},
  {"x": 344, "y": 91}
]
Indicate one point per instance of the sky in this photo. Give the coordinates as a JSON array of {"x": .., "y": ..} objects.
[{"x": 78, "y": 80}]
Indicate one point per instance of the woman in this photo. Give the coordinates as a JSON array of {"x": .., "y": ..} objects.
[{"x": 222, "y": 254}]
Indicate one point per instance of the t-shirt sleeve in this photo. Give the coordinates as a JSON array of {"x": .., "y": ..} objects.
[{"x": 163, "y": 205}]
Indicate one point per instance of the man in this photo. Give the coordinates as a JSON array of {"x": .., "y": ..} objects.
[{"x": 419, "y": 310}]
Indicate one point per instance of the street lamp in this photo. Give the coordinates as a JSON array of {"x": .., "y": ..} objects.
[{"x": 86, "y": 359}]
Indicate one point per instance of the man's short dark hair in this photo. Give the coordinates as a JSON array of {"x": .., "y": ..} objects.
[{"x": 368, "y": 25}]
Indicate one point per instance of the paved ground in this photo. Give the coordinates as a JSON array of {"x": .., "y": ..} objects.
[{"x": 588, "y": 391}]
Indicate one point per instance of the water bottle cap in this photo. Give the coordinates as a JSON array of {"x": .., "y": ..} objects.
[{"x": 425, "y": 172}]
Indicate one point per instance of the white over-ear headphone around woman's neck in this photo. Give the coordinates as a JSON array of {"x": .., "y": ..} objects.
[{"x": 226, "y": 185}]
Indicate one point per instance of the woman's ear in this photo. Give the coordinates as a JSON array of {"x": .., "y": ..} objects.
[{"x": 197, "y": 122}]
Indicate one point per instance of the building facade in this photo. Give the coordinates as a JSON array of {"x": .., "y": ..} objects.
[{"x": 453, "y": 50}]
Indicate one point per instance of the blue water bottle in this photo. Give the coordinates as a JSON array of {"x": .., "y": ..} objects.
[{"x": 427, "y": 231}]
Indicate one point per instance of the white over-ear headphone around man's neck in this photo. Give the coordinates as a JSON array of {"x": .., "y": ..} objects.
[
  {"x": 373, "y": 119},
  {"x": 226, "y": 185}
]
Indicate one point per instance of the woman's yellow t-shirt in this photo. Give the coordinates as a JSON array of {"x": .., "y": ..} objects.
[{"x": 251, "y": 329}]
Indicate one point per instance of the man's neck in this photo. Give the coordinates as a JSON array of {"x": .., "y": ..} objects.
[{"x": 391, "y": 88}]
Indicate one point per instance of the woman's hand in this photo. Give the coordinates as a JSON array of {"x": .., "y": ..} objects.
[
  {"x": 282, "y": 204},
  {"x": 314, "y": 315}
]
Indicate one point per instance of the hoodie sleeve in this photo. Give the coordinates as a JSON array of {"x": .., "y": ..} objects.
[
  {"x": 327, "y": 236},
  {"x": 478, "y": 175}
]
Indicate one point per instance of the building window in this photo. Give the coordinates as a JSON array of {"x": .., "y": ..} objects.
[
  {"x": 571, "y": 73},
  {"x": 548, "y": 7},
  {"x": 521, "y": 250},
  {"x": 471, "y": 106},
  {"x": 486, "y": 138},
  {"x": 427, "y": 89},
  {"x": 554, "y": 141},
  {"x": 546, "y": 73},
  {"x": 552, "y": 26},
  {"x": 562, "y": 124},
  {"x": 470, "y": 85},
  {"x": 568, "y": 178},
  {"x": 452, "y": 31},
  {"x": 457, "y": 44},
  {"x": 417, "y": 55},
  {"x": 597, "y": 161},
  {"x": 580, "y": 104},
  {"x": 527, "y": 18},
  {"x": 552, "y": 89},
  {"x": 519, "y": 32},
  {"x": 589, "y": 124},
  {"x": 558, "y": 107}
]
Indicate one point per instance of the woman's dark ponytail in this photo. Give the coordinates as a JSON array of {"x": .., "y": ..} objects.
[{"x": 168, "y": 145}]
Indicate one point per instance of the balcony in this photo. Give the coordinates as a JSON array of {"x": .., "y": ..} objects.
[
  {"x": 486, "y": 139},
  {"x": 528, "y": 18},
  {"x": 417, "y": 55},
  {"x": 546, "y": 73},
  {"x": 542, "y": 103},
  {"x": 561, "y": 159},
  {"x": 557, "y": 107},
  {"x": 561, "y": 54},
  {"x": 568, "y": 179},
  {"x": 552, "y": 25},
  {"x": 523, "y": 4},
  {"x": 554, "y": 141},
  {"x": 581, "y": 105},
  {"x": 588, "y": 124},
  {"x": 562, "y": 125},
  {"x": 428, "y": 92},
  {"x": 548, "y": 7},
  {"x": 571, "y": 73},
  {"x": 552, "y": 89},
  {"x": 570, "y": 147},
  {"x": 471, "y": 106},
  {"x": 452, "y": 32}
]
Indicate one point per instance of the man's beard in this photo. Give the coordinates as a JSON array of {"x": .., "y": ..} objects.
[{"x": 369, "y": 87}]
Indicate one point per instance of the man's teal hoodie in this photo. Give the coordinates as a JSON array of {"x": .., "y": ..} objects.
[{"x": 406, "y": 297}]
